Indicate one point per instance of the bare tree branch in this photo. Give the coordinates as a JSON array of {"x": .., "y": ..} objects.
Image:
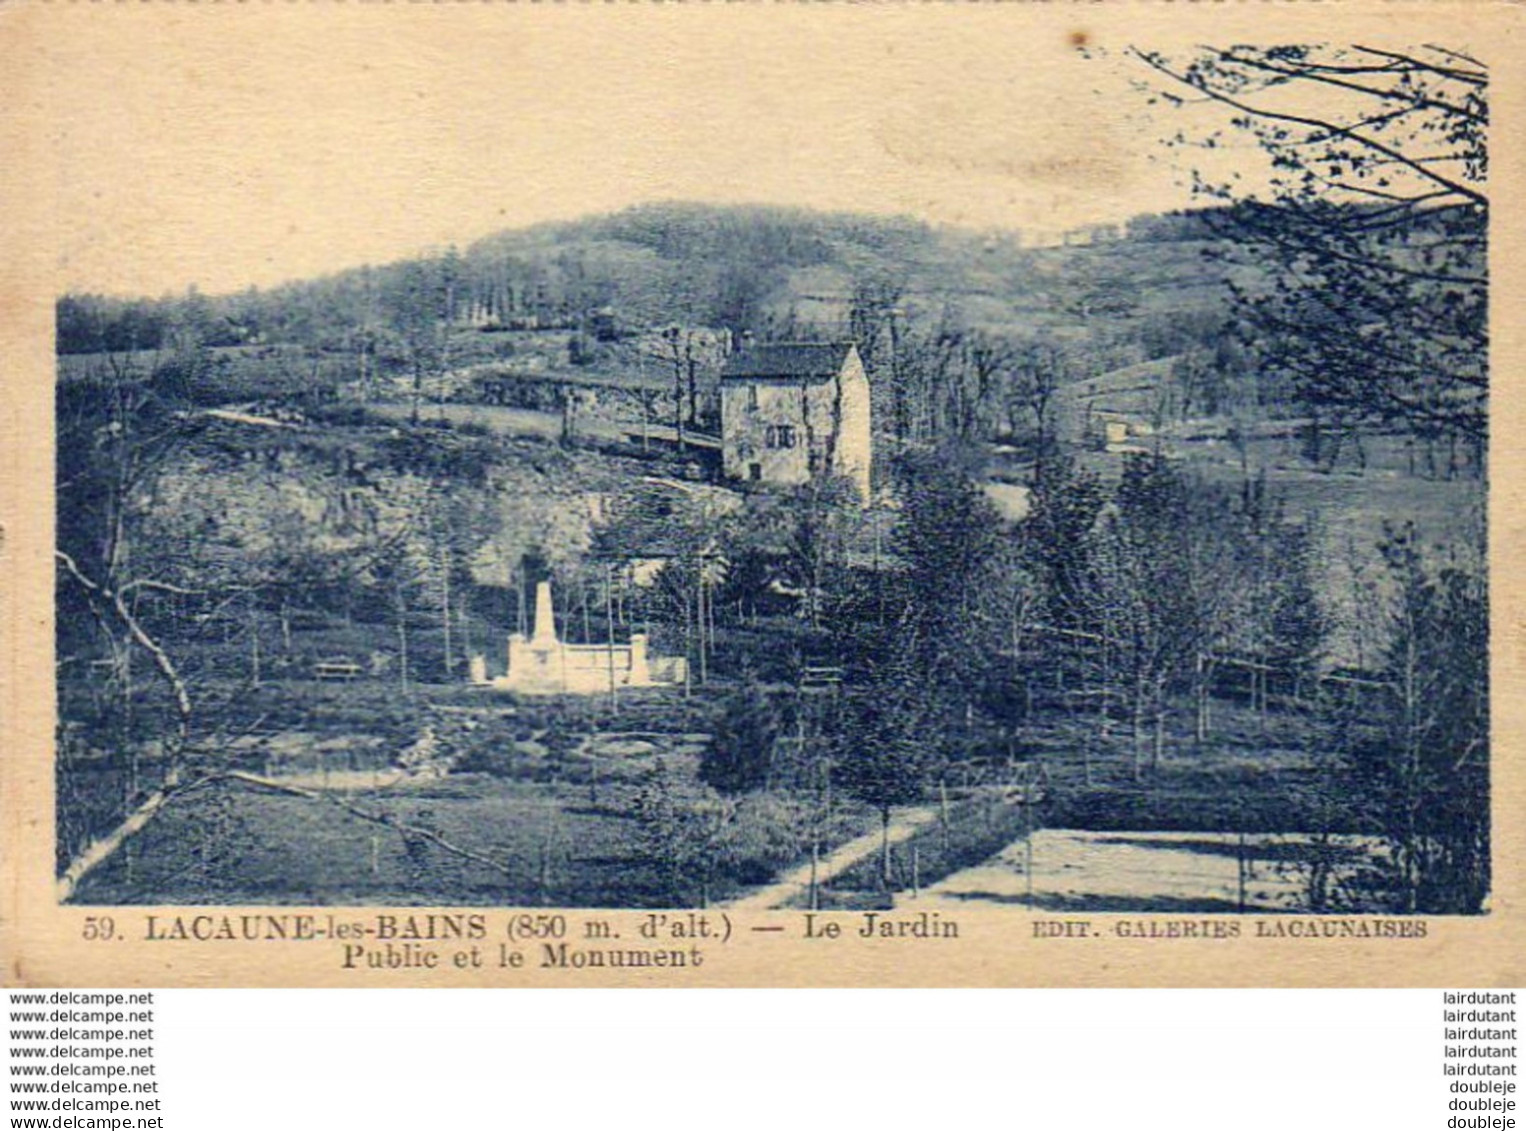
[
  {"x": 1331, "y": 128},
  {"x": 384, "y": 819},
  {"x": 160, "y": 657}
]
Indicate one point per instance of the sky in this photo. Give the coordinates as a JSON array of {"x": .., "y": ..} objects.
[{"x": 234, "y": 145}]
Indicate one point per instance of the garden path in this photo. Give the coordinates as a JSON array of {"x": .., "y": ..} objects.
[{"x": 797, "y": 881}]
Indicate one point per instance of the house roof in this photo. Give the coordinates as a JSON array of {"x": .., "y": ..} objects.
[{"x": 819, "y": 360}]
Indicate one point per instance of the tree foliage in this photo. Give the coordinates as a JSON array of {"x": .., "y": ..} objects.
[
  {"x": 1436, "y": 736},
  {"x": 683, "y": 831},
  {"x": 739, "y": 758}
]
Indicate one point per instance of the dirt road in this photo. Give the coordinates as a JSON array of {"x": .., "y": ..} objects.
[{"x": 797, "y": 881}]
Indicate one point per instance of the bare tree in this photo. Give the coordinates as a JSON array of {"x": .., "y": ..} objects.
[
  {"x": 1162, "y": 569},
  {"x": 1373, "y": 223},
  {"x": 416, "y": 305}
]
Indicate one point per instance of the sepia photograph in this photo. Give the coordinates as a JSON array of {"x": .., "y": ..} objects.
[{"x": 730, "y": 463}]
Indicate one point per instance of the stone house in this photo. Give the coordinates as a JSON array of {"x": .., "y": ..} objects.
[{"x": 794, "y": 410}]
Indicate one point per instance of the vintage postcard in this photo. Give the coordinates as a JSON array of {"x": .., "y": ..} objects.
[{"x": 519, "y": 495}]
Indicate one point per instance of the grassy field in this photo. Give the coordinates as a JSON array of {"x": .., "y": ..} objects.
[
  {"x": 552, "y": 843},
  {"x": 236, "y": 843},
  {"x": 543, "y": 793}
]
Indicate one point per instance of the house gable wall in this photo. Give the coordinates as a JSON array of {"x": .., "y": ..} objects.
[
  {"x": 854, "y": 453},
  {"x": 749, "y": 409}
]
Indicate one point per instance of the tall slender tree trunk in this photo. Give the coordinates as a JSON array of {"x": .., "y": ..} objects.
[
  {"x": 678, "y": 398},
  {"x": 609, "y": 636},
  {"x": 445, "y": 609},
  {"x": 520, "y": 597},
  {"x": 688, "y": 644},
  {"x": 1137, "y": 734},
  {"x": 1203, "y": 674},
  {"x": 704, "y": 658},
  {"x": 402, "y": 649},
  {"x": 693, "y": 366},
  {"x": 254, "y": 650}
]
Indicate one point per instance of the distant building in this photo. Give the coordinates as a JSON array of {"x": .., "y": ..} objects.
[
  {"x": 791, "y": 411},
  {"x": 546, "y": 665},
  {"x": 1117, "y": 432}
]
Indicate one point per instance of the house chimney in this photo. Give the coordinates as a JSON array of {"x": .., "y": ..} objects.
[{"x": 545, "y": 618}]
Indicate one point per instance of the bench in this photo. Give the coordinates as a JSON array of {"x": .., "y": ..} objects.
[{"x": 341, "y": 668}]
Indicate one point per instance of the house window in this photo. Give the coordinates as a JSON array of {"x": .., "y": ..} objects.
[
  {"x": 752, "y": 396},
  {"x": 779, "y": 436},
  {"x": 755, "y": 471}
]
